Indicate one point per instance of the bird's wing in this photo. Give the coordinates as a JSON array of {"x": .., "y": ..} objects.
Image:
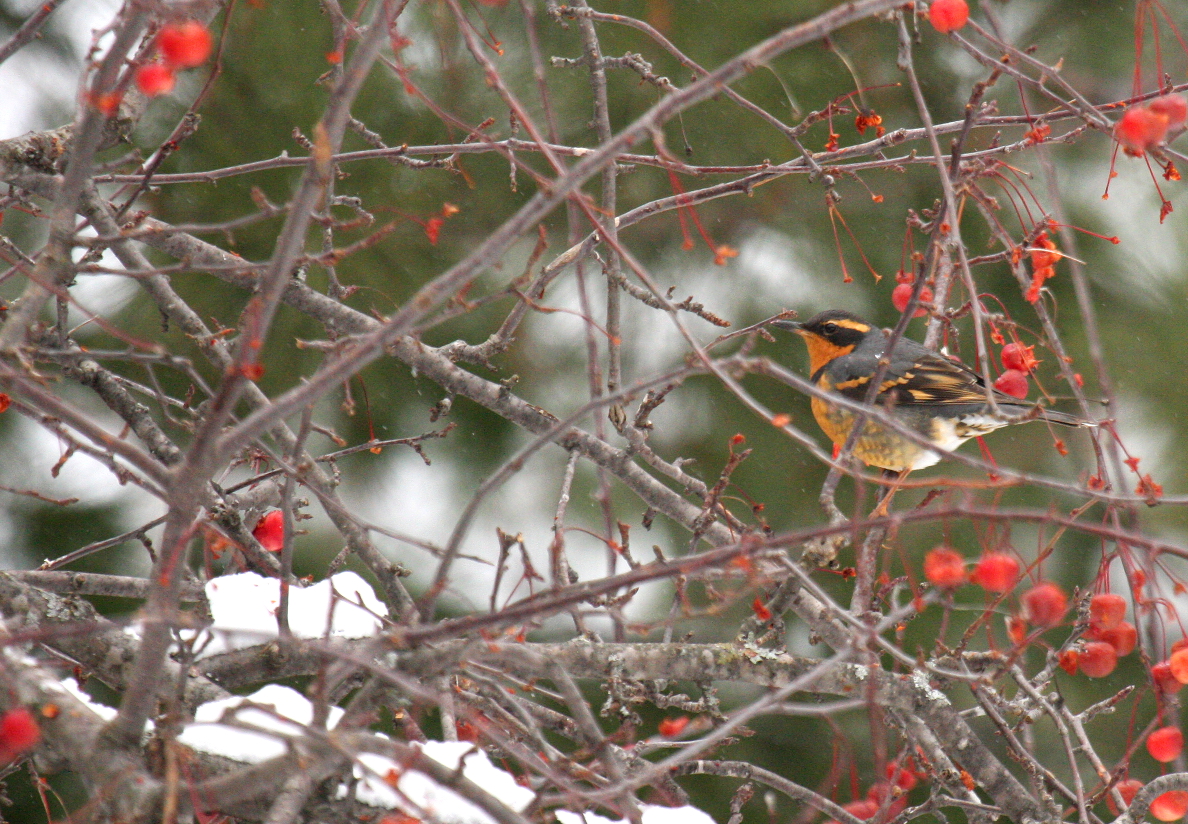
[
  {"x": 932, "y": 379},
  {"x": 915, "y": 376},
  {"x": 920, "y": 376}
]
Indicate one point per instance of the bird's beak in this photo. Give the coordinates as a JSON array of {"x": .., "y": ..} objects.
[{"x": 791, "y": 325}]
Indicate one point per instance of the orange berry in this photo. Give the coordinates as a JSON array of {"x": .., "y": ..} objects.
[
  {"x": 883, "y": 793},
  {"x": 948, "y": 15},
  {"x": 1097, "y": 659},
  {"x": 1016, "y": 629},
  {"x": 1069, "y": 659},
  {"x": 1140, "y": 129},
  {"x": 1172, "y": 106},
  {"x": 1045, "y": 604},
  {"x": 944, "y": 567},
  {"x": 1178, "y": 663},
  {"x": 996, "y": 572},
  {"x": 1165, "y": 744},
  {"x": 184, "y": 45},
  {"x": 1012, "y": 382},
  {"x": 672, "y": 727},
  {"x": 760, "y": 609},
  {"x": 19, "y": 733},
  {"x": 1165, "y": 682},
  {"x": 1019, "y": 357},
  {"x": 1123, "y": 638},
  {"x": 1128, "y": 789},
  {"x": 1106, "y": 610},
  {"x": 1171, "y": 806},
  {"x": 901, "y": 295},
  {"x": 154, "y": 79},
  {"x": 901, "y": 777},
  {"x": 862, "y": 808},
  {"x": 270, "y": 531}
]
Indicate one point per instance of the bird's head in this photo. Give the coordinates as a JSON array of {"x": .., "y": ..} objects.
[{"x": 829, "y": 335}]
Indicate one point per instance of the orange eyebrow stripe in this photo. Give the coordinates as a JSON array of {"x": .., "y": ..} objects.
[{"x": 856, "y": 325}]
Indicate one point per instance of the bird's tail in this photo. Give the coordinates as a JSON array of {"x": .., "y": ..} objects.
[
  {"x": 1027, "y": 412},
  {"x": 1064, "y": 418}
]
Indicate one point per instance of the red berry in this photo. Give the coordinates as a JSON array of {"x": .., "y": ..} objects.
[
  {"x": 1178, "y": 664},
  {"x": 944, "y": 567},
  {"x": 1140, "y": 129},
  {"x": 1106, "y": 610},
  {"x": 1016, "y": 629},
  {"x": 1165, "y": 744},
  {"x": 948, "y": 15},
  {"x": 1012, "y": 382},
  {"x": 466, "y": 730},
  {"x": 879, "y": 792},
  {"x": 1097, "y": 659},
  {"x": 862, "y": 808},
  {"x": 903, "y": 778},
  {"x": 154, "y": 79},
  {"x": 1122, "y": 638},
  {"x": 1019, "y": 357},
  {"x": 1069, "y": 659},
  {"x": 184, "y": 45},
  {"x": 996, "y": 572},
  {"x": 1172, "y": 106},
  {"x": 270, "y": 531},
  {"x": 1128, "y": 789},
  {"x": 1044, "y": 604},
  {"x": 1171, "y": 806},
  {"x": 902, "y": 294},
  {"x": 19, "y": 733},
  {"x": 672, "y": 727},
  {"x": 1165, "y": 681},
  {"x": 887, "y": 797}
]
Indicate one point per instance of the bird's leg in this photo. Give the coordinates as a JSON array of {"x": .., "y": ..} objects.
[{"x": 896, "y": 479}]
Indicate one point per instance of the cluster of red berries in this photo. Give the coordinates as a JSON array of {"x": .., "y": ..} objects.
[
  {"x": 1044, "y": 605},
  {"x": 1109, "y": 638},
  {"x": 888, "y": 797},
  {"x": 1018, "y": 361},
  {"x": 948, "y": 15},
  {"x": 1164, "y": 745},
  {"x": 901, "y": 295},
  {"x": 994, "y": 572},
  {"x": 1170, "y": 675},
  {"x": 1171, "y": 806},
  {"x": 1149, "y": 125},
  {"x": 182, "y": 45}
]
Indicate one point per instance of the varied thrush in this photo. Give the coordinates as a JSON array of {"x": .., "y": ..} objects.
[{"x": 936, "y": 396}]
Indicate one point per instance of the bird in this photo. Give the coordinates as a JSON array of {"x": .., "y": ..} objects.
[{"x": 940, "y": 398}]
